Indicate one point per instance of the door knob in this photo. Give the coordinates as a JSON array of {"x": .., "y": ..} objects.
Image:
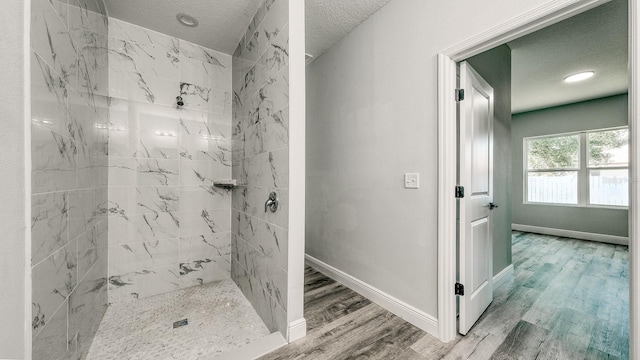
[{"x": 492, "y": 206}]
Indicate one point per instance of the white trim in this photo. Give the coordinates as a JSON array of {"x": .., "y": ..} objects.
[
  {"x": 28, "y": 332},
  {"x": 296, "y": 325},
  {"x": 503, "y": 276},
  {"x": 407, "y": 312},
  {"x": 604, "y": 238},
  {"x": 297, "y": 330},
  {"x": 634, "y": 176},
  {"x": 545, "y": 15}
]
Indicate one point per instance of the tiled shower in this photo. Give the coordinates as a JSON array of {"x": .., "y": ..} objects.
[{"x": 124, "y": 205}]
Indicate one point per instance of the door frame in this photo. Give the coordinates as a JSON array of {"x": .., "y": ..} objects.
[{"x": 524, "y": 24}]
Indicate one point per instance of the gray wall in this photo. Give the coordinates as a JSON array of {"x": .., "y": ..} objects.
[
  {"x": 495, "y": 67},
  {"x": 371, "y": 117},
  {"x": 595, "y": 114},
  {"x": 13, "y": 331}
]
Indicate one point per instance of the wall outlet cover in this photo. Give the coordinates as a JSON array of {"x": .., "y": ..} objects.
[{"x": 411, "y": 180}]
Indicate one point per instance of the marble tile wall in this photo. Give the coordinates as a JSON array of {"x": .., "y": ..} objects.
[
  {"x": 69, "y": 105},
  {"x": 169, "y": 228},
  {"x": 261, "y": 162}
]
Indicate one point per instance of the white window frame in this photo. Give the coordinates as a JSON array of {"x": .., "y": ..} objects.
[{"x": 582, "y": 171}]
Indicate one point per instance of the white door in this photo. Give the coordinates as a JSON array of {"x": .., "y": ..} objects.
[{"x": 476, "y": 176}]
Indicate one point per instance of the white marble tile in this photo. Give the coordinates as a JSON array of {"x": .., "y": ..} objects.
[
  {"x": 145, "y": 227},
  {"x": 208, "y": 126},
  {"x": 275, "y": 20},
  {"x": 139, "y": 256},
  {"x": 203, "y": 147},
  {"x": 203, "y": 222},
  {"x": 204, "y": 74},
  {"x": 122, "y": 30},
  {"x": 143, "y": 130},
  {"x": 200, "y": 272},
  {"x": 277, "y": 52},
  {"x": 48, "y": 97},
  {"x": 273, "y": 96},
  {"x": 209, "y": 246},
  {"x": 200, "y": 53},
  {"x": 88, "y": 251},
  {"x": 51, "y": 40},
  {"x": 87, "y": 305},
  {"x": 196, "y": 97},
  {"x": 49, "y": 221},
  {"x": 274, "y": 131},
  {"x": 202, "y": 173},
  {"x": 144, "y": 199},
  {"x": 149, "y": 59},
  {"x": 51, "y": 341},
  {"x": 53, "y": 280},
  {"x": 141, "y": 87},
  {"x": 81, "y": 212},
  {"x": 141, "y": 284},
  {"x": 140, "y": 172},
  {"x": 196, "y": 198}
]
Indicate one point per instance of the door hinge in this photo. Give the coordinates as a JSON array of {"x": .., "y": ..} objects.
[
  {"x": 459, "y": 95},
  {"x": 459, "y": 289},
  {"x": 459, "y": 192}
]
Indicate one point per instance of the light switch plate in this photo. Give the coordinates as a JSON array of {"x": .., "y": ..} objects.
[{"x": 411, "y": 181}]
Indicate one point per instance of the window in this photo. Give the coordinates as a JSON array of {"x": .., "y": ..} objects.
[{"x": 581, "y": 169}]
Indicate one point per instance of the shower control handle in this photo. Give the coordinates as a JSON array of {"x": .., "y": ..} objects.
[{"x": 272, "y": 202}]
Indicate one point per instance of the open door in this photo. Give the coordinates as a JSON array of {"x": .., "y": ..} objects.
[{"x": 476, "y": 176}]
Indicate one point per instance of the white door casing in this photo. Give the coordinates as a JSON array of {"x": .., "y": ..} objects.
[{"x": 476, "y": 176}]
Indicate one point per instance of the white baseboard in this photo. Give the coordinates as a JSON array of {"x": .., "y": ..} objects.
[
  {"x": 503, "y": 276},
  {"x": 403, "y": 310},
  {"x": 609, "y": 239},
  {"x": 297, "y": 330}
]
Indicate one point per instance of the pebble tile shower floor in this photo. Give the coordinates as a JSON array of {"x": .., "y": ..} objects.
[{"x": 220, "y": 320}]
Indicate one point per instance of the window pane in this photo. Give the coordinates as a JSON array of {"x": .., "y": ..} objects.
[
  {"x": 559, "y": 152},
  {"x": 609, "y": 187},
  {"x": 559, "y": 187},
  {"x": 608, "y": 148}
]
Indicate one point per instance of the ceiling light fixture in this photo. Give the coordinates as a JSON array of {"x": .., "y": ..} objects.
[
  {"x": 187, "y": 20},
  {"x": 579, "y": 76}
]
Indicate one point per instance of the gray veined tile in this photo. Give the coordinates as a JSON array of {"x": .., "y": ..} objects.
[
  {"x": 277, "y": 53},
  {"x": 49, "y": 221},
  {"x": 204, "y": 222},
  {"x": 202, "y": 173},
  {"x": 199, "y": 272},
  {"x": 51, "y": 341},
  {"x": 144, "y": 227},
  {"x": 141, "y": 87},
  {"x": 122, "y": 30},
  {"x": 143, "y": 199},
  {"x": 51, "y": 40},
  {"x": 196, "y": 97},
  {"x": 204, "y": 198},
  {"x": 145, "y": 283},
  {"x": 200, "y": 53},
  {"x": 149, "y": 59},
  {"x": 203, "y": 147},
  {"x": 206, "y": 246},
  {"x": 53, "y": 280},
  {"x": 139, "y": 256}
]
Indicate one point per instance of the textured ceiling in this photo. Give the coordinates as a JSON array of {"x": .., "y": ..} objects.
[
  {"x": 221, "y": 22},
  {"x": 328, "y": 21},
  {"x": 595, "y": 40}
]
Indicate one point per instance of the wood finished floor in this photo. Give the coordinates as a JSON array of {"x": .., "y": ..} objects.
[{"x": 569, "y": 300}]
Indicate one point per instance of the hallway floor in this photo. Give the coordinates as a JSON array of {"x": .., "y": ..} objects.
[
  {"x": 569, "y": 300},
  {"x": 220, "y": 320}
]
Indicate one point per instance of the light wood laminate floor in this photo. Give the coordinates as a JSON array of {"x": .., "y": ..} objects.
[{"x": 568, "y": 300}]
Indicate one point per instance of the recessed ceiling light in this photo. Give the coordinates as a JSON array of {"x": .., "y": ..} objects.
[
  {"x": 187, "y": 20},
  {"x": 579, "y": 76}
]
